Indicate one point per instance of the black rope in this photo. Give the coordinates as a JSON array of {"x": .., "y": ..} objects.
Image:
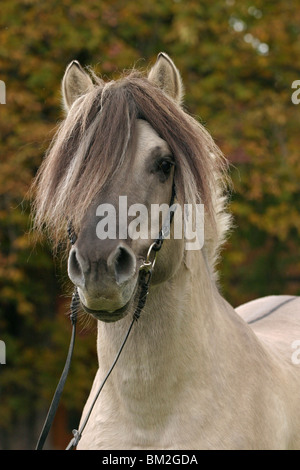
[
  {"x": 59, "y": 389},
  {"x": 165, "y": 230},
  {"x": 71, "y": 233},
  {"x": 145, "y": 278}
]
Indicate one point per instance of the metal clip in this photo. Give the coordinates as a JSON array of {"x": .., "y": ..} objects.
[{"x": 148, "y": 265}]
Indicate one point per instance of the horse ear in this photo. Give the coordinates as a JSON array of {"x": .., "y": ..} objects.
[
  {"x": 76, "y": 82},
  {"x": 166, "y": 76}
]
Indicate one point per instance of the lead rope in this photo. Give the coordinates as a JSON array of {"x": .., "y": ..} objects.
[
  {"x": 144, "y": 282},
  {"x": 59, "y": 389}
]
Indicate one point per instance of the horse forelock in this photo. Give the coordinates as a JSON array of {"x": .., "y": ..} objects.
[{"x": 98, "y": 135}]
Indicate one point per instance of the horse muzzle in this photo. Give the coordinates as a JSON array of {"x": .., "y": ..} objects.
[{"x": 105, "y": 284}]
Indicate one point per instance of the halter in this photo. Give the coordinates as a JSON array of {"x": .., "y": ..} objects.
[{"x": 145, "y": 274}]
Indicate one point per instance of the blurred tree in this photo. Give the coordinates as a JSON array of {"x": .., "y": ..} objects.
[{"x": 238, "y": 61}]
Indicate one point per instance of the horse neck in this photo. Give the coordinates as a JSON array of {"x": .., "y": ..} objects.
[{"x": 179, "y": 333}]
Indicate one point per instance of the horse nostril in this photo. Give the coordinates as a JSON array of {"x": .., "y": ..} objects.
[
  {"x": 124, "y": 264},
  {"x": 74, "y": 269}
]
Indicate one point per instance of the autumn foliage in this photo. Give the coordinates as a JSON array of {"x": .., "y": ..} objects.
[{"x": 238, "y": 61}]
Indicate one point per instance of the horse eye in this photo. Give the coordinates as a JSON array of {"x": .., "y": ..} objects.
[{"x": 165, "y": 166}]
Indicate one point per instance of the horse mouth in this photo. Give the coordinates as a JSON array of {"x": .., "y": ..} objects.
[{"x": 107, "y": 316}]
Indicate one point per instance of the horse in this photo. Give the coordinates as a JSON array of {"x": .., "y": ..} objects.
[{"x": 195, "y": 372}]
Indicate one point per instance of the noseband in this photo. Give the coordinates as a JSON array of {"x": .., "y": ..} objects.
[{"x": 145, "y": 274}]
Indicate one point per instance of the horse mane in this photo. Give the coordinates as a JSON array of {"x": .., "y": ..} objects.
[{"x": 96, "y": 136}]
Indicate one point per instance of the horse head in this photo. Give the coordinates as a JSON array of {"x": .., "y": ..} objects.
[{"x": 122, "y": 149}]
